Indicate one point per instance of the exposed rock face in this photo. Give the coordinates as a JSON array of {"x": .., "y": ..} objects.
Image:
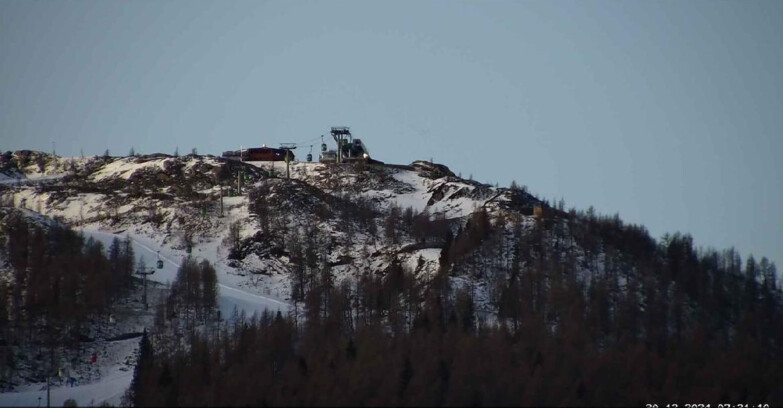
[{"x": 432, "y": 170}]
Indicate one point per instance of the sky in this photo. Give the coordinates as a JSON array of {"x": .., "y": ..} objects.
[{"x": 668, "y": 113}]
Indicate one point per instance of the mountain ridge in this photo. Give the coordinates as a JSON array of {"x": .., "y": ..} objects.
[{"x": 418, "y": 253}]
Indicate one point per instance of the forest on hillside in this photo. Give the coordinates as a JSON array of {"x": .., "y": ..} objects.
[
  {"x": 58, "y": 284},
  {"x": 587, "y": 311}
]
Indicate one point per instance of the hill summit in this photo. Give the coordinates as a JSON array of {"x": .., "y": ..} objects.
[{"x": 418, "y": 253}]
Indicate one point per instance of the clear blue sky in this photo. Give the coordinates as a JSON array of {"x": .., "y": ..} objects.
[{"x": 669, "y": 113}]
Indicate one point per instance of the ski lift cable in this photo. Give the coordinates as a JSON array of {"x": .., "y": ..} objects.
[{"x": 305, "y": 142}]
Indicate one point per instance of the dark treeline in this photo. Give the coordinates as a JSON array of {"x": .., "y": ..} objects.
[
  {"x": 189, "y": 309},
  {"x": 192, "y": 302},
  {"x": 584, "y": 311},
  {"x": 59, "y": 282}
]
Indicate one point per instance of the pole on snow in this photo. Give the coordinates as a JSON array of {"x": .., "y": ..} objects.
[{"x": 144, "y": 273}]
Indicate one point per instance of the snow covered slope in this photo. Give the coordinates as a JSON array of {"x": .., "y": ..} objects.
[{"x": 356, "y": 219}]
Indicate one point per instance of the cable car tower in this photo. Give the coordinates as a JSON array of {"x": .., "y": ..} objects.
[
  {"x": 144, "y": 272},
  {"x": 342, "y": 136},
  {"x": 288, "y": 147}
]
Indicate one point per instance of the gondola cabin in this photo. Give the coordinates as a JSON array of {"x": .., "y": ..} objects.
[{"x": 329, "y": 156}]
